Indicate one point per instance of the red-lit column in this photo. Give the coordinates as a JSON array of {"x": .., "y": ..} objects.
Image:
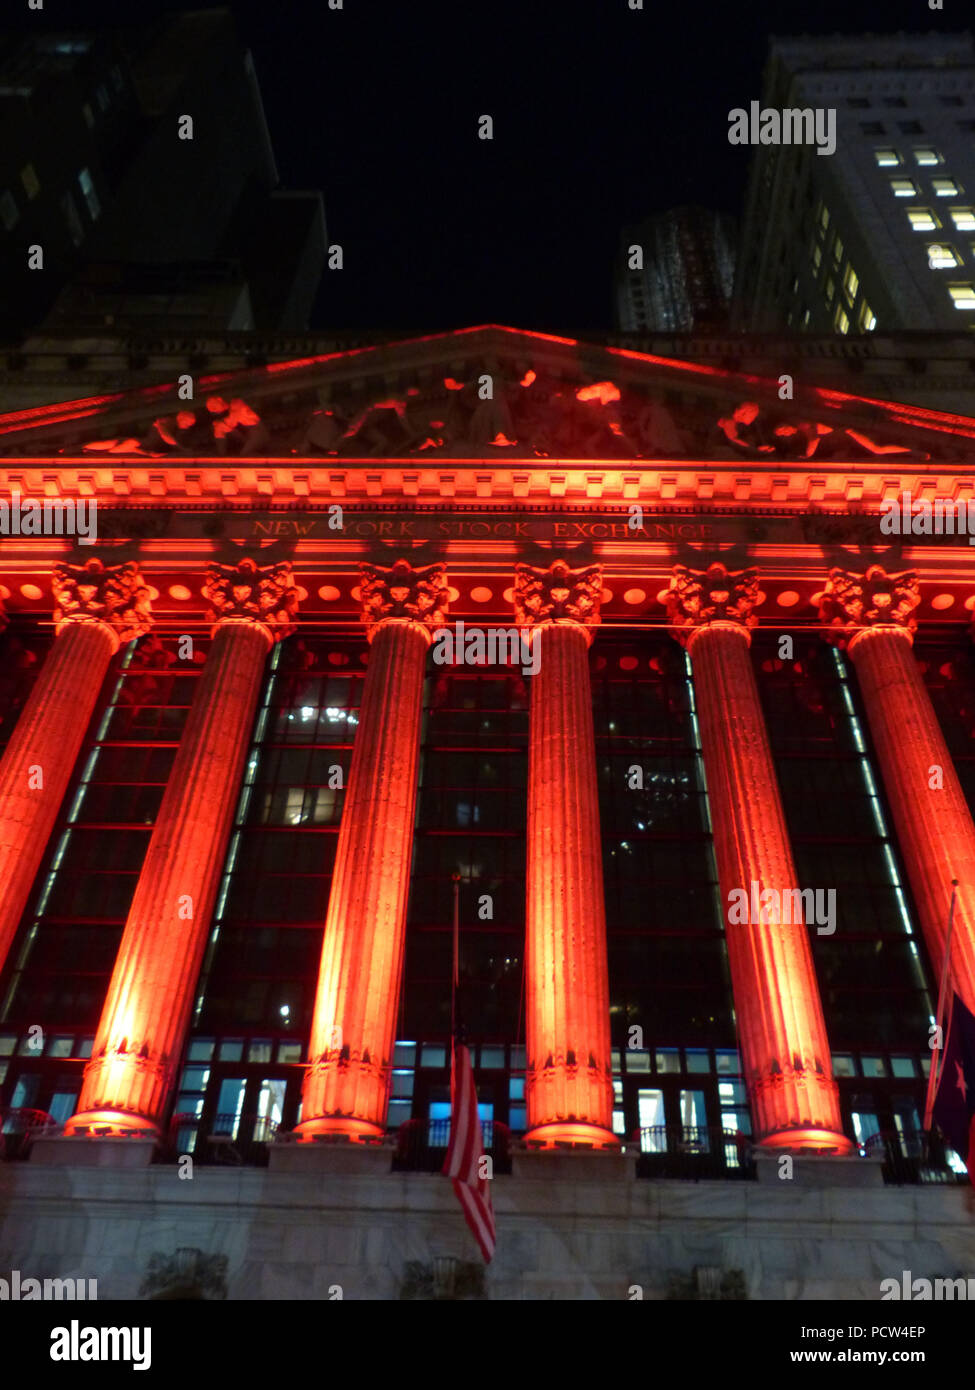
[
  {"x": 346, "y": 1088},
  {"x": 147, "y": 1009},
  {"x": 569, "y": 1078},
  {"x": 785, "y": 1050},
  {"x": 871, "y": 615},
  {"x": 97, "y": 608}
]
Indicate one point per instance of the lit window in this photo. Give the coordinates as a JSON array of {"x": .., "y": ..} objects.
[
  {"x": 963, "y": 296},
  {"x": 823, "y": 217},
  {"x": 886, "y": 158},
  {"x": 851, "y": 283},
  {"x": 941, "y": 257},
  {"x": 830, "y": 290},
  {"x": 945, "y": 188},
  {"x": 75, "y": 230},
  {"x": 963, "y": 218},
  {"x": 923, "y": 220},
  {"x": 806, "y": 315},
  {"x": 837, "y": 249},
  {"x": 817, "y": 257},
  {"x": 903, "y": 188},
  {"x": 91, "y": 197},
  {"x": 865, "y": 319},
  {"x": 30, "y": 181},
  {"x": 841, "y": 320},
  {"x": 9, "y": 213},
  {"x": 926, "y": 156}
]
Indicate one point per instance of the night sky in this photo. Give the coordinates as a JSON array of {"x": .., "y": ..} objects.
[{"x": 601, "y": 115}]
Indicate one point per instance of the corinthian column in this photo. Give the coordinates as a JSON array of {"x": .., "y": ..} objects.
[
  {"x": 140, "y": 1037},
  {"x": 97, "y": 608},
  {"x": 569, "y": 1080},
  {"x": 346, "y": 1089},
  {"x": 871, "y": 615},
  {"x": 785, "y": 1050}
]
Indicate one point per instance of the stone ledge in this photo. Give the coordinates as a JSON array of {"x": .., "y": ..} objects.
[
  {"x": 573, "y": 1165},
  {"x": 819, "y": 1170},
  {"x": 78, "y": 1152},
  {"x": 353, "y": 1160}
]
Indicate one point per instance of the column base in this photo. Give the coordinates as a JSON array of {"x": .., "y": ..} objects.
[
  {"x": 79, "y": 1152},
  {"x": 334, "y": 1129},
  {"x": 807, "y": 1140},
  {"x": 110, "y": 1124},
  {"x": 571, "y": 1134},
  {"x": 820, "y": 1170}
]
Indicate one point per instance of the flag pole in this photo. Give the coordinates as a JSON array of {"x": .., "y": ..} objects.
[
  {"x": 455, "y": 973},
  {"x": 934, "y": 1075}
]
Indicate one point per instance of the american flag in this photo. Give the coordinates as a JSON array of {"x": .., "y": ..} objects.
[{"x": 465, "y": 1151}]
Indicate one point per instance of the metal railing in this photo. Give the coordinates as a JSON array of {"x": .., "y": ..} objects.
[
  {"x": 20, "y": 1127},
  {"x": 229, "y": 1139},
  {"x": 911, "y": 1158},
  {"x": 692, "y": 1152},
  {"x": 421, "y": 1145}
]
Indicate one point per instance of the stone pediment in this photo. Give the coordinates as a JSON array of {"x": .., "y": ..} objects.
[{"x": 487, "y": 393}]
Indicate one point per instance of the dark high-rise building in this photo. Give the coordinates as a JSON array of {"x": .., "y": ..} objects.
[
  {"x": 676, "y": 272},
  {"x": 140, "y": 167},
  {"x": 879, "y": 234}
]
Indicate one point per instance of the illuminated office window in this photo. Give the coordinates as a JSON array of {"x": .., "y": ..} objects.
[
  {"x": 945, "y": 188},
  {"x": 903, "y": 188},
  {"x": 963, "y": 218},
  {"x": 941, "y": 257},
  {"x": 886, "y": 158},
  {"x": 923, "y": 220},
  {"x": 963, "y": 296}
]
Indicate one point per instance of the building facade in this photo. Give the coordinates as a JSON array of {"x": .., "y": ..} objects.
[
  {"x": 139, "y": 165},
  {"x": 683, "y": 276},
  {"x": 618, "y": 644},
  {"x": 875, "y": 234}
]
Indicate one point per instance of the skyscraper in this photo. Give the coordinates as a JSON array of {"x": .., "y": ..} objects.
[
  {"x": 881, "y": 233},
  {"x": 684, "y": 277},
  {"x": 149, "y": 186}
]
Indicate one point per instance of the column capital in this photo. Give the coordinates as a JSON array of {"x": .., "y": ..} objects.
[
  {"x": 114, "y": 595},
  {"x": 403, "y": 593},
  {"x": 716, "y": 597},
  {"x": 558, "y": 594},
  {"x": 246, "y": 592},
  {"x": 854, "y": 604}
]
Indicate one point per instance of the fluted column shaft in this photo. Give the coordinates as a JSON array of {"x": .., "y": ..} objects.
[
  {"x": 97, "y": 608},
  {"x": 147, "y": 1009},
  {"x": 354, "y": 1026},
  {"x": 786, "y": 1055},
  {"x": 569, "y": 1087},
  {"x": 129, "y": 1080},
  {"x": 346, "y": 1087},
  {"x": 934, "y": 825}
]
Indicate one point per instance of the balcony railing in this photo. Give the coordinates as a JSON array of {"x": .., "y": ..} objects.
[
  {"x": 421, "y": 1146},
  {"x": 911, "y": 1158},
  {"x": 226, "y": 1139},
  {"x": 691, "y": 1152},
  {"x": 19, "y": 1128}
]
